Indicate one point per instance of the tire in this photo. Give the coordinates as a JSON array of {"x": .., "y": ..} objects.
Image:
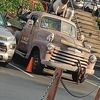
[
  {"x": 37, "y": 66},
  {"x": 75, "y": 77},
  {"x": 83, "y": 78},
  {"x": 5, "y": 64},
  {"x": 17, "y": 59}
]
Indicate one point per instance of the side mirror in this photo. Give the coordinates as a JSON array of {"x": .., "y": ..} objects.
[
  {"x": 24, "y": 16},
  {"x": 8, "y": 24},
  {"x": 81, "y": 37}
]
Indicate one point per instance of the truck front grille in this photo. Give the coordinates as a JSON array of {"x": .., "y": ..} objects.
[
  {"x": 68, "y": 57},
  {"x": 3, "y": 47}
]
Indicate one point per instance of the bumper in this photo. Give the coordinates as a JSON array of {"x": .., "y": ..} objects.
[
  {"x": 66, "y": 67},
  {"x": 5, "y": 57}
]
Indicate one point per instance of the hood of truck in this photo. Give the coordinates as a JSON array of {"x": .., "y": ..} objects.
[
  {"x": 75, "y": 46},
  {"x": 5, "y": 33},
  {"x": 62, "y": 39}
]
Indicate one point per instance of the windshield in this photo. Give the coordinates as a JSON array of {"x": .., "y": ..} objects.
[
  {"x": 68, "y": 29},
  {"x": 51, "y": 23},
  {"x": 1, "y": 20},
  {"x": 58, "y": 25}
]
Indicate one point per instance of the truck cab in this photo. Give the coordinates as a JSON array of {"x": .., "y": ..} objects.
[{"x": 53, "y": 42}]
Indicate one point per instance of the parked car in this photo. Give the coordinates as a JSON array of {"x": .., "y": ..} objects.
[
  {"x": 7, "y": 41},
  {"x": 88, "y": 5}
]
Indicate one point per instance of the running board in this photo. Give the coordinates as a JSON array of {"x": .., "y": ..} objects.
[{"x": 20, "y": 53}]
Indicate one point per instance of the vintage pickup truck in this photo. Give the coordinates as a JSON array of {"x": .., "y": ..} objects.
[{"x": 53, "y": 42}]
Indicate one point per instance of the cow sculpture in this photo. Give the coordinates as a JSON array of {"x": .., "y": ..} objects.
[{"x": 61, "y": 8}]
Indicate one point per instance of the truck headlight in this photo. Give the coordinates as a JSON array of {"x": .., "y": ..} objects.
[
  {"x": 92, "y": 59},
  {"x": 12, "y": 46},
  {"x": 50, "y": 46}
]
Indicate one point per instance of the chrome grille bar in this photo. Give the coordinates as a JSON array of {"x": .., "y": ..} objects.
[
  {"x": 68, "y": 58},
  {"x": 3, "y": 47}
]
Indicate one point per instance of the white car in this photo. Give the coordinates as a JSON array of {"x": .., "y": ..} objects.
[
  {"x": 7, "y": 42},
  {"x": 87, "y": 4}
]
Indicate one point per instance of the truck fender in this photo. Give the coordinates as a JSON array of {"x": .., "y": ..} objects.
[{"x": 41, "y": 48}]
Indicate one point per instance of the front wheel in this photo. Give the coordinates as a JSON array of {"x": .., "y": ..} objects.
[
  {"x": 79, "y": 76},
  {"x": 37, "y": 66}
]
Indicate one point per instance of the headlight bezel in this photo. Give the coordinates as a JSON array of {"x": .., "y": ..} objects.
[
  {"x": 12, "y": 46},
  {"x": 50, "y": 46},
  {"x": 92, "y": 58}
]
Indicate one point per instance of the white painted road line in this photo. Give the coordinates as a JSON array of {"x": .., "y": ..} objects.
[
  {"x": 96, "y": 77},
  {"x": 92, "y": 83},
  {"x": 33, "y": 76},
  {"x": 21, "y": 70}
]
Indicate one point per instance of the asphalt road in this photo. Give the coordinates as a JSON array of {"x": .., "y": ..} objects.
[{"x": 18, "y": 85}]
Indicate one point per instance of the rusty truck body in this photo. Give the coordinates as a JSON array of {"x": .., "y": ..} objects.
[{"x": 53, "y": 42}]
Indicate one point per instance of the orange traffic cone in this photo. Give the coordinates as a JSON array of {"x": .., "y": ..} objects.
[{"x": 30, "y": 65}]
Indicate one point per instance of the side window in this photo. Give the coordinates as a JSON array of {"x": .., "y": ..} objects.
[
  {"x": 34, "y": 18},
  {"x": 44, "y": 22},
  {"x": 68, "y": 29},
  {"x": 1, "y": 20}
]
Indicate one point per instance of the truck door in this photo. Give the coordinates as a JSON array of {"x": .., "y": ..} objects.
[{"x": 27, "y": 34}]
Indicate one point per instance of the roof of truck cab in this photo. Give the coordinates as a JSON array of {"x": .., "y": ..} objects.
[{"x": 39, "y": 13}]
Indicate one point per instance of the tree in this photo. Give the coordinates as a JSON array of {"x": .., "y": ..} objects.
[{"x": 12, "y": 5}]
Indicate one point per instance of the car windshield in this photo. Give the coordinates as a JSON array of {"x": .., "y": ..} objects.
[
  {"x": 58, "y": 25},
  {"x": 68, "y": 29},
  {"x": 2, "y": 20}
]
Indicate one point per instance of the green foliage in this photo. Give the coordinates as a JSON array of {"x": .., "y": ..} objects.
[
  {"x": 98, "y": 19},
  {"x": 39, "y": 7},
  {"x": 11, "y": 5}
]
